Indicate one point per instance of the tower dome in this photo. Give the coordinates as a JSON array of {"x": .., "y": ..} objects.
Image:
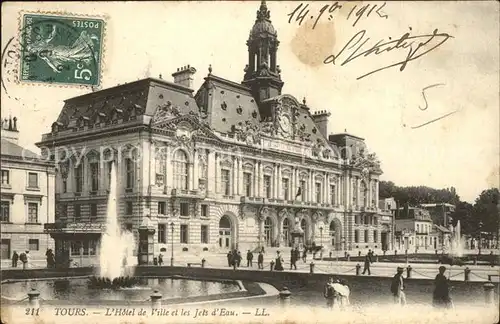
[{"x": 263, "y": 25}]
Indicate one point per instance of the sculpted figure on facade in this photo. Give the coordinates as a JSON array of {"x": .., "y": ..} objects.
[{"x": 166, "y": 111}]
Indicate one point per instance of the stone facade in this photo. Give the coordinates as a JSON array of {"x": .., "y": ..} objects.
[
  {"x": 27, "y": 198},
  {"x": 232, "y": 166}
]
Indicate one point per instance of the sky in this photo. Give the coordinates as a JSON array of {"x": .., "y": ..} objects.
[{"x": 385, "y": 108}]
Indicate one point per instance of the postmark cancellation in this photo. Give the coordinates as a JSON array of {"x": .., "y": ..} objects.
[{"x": 61, "y": 49}]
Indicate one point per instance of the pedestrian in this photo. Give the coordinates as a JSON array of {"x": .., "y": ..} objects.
[
  {"x": 24, "y": 259},
  {"x": 15, "y": 258},
  {"x": 397, "y": 287},
  {"x": 368, "y": 260},
  {"x": 304, "y": 255},
  {"x": 329, "y": 293},
  {"x": 278, "y": 266},
  {"x": 297, "y": 257},
  {"x": 239, "y": 258},
  {"x": 441, "y": 295},
  {"x": 292, "y": 259},
  {"x": 249, "y": 258},
  {"x": 262, "y": 250},
  {"x": 229, "y": 258},
  {"x": 50, "y": 258},
  {"x": 160, "y": 259},
  {"x": 234, "y": 259},
  {"x": 260, "y": 260}
]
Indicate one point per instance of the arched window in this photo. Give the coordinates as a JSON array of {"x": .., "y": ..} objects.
[{"x": 180, "y": 170}]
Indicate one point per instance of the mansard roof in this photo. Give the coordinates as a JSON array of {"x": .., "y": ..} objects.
[
  {"x": 142, "y": 97},
  {"x": 232, "y": 104}
]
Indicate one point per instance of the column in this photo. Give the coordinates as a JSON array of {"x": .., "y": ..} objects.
[
  {"x": 338, "y": 192},
  {"x": 86, "y": 174},
  {"x": 311, "y": 185},
  {"x": 196, "y": 170},
  {"x": 190, "y": 175},
  {"x": 358, "y": 184},
  {"x": 279, "y": 193},
  {"x": 235, "y": 177},
  {"x": 211, "y": 172},
  {"x": 217, "y": 172},
  {"x": 170, "y": 169},
  {"x": 292, "y": 185},
  {"x": 261, "y": 180},
  {"x": 376, "y": 191},
  {"x": 255, "y": 184},
  {"x": 326, "y": 193},
  {"x": 275, "y": 182},
  {"x": 240, "y": 176}
]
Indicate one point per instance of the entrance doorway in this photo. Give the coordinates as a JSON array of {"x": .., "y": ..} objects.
[
  {"x": 5, "y": 249},
  {"x": 268, "y": 231},
  {"x": 335, "y": 234},
  {"x": 225, "y": 232},
  {"x": 383, "y": 238},
  {"x": 286, "y": 232}
]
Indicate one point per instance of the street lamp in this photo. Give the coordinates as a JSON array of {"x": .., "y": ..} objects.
[
  {"x": 321, "y": 241},
  {"x": 172, "y": 249},
  {"x": 480, "y": 227}
]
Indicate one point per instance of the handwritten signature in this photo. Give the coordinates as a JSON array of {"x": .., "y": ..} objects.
[
  {"x": 418, "y": 46},
  {"x": 302, "y": 12}
]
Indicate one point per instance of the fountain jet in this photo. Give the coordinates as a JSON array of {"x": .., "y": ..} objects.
[{"x": 116, "y": 245}]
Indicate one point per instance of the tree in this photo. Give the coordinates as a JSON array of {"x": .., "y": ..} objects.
[
  {"x": 464, "y": 213},
  {"x": 486, "y": 210}
]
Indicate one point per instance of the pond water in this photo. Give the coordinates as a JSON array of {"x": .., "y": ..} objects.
[{"x": 77, "y": 289}]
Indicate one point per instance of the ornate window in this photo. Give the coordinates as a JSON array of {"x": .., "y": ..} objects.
[
  {"x": 79, "y": 178},
  {"x": 180, "y": 170},
  {"x": 318, "y": 192},
  {"x": 94, "y": 176},
  {"x": 303, "y": 190},
  {"x": 286, "y": 187},
  {"x": 5, "y": 211},
  {"x": 226, "y": 182},
  {"x": 247, "y": 183},
  {"x": 129, "y": 169},
  {"x": 160, "y": 168},
  {"x": 267, "y": 186},
  {"x": 332, "y": 194}
]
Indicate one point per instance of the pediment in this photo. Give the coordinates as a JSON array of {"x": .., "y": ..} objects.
[{"x": 187, "y": 125}]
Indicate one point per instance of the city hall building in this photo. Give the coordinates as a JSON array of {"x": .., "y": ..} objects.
[{"x": 232, "y": 165}]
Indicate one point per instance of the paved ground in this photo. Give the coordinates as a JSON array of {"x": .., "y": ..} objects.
[{"x": 384, "y": 269}]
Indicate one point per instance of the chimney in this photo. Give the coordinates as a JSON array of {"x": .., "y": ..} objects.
[
  {"x": 184, "y": 76},
  {"x": 320, "y": 118},
  {"x": 9, "y": 130}
]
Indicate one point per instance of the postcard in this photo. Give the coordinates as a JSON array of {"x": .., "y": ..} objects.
[{"x": 250, "y": 162}]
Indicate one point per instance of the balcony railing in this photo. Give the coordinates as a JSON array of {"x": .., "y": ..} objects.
[
  {"x": 288, "y": 203},
  {"x": 185, "y": 193}
]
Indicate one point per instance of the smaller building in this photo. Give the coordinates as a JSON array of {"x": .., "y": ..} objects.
[
  {"x": 440, "y": 213},
  {"x": 27, "y": 198},
  {"x": 414, "y": 229}
]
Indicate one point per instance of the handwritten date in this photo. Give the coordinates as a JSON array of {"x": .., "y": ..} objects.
[{"x": 356, "y": 13}]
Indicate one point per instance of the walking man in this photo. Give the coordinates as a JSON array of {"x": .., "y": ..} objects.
[
  {"x": 15, "y": 258},
  {"x": 24, "y": 259},
  {"x": 329, "y": 293},
  {"x": 441, "y": 295},
  {"x": 260, "y": 260},
  {"x": 397, "y": 287},
  {"x": 368, "y": 260},
  {"x": 229, "y": 258},
  {"x": 292, "y": 259},
  {"x": 249, "y": 258},
  {"x": 160, "y": 259}
]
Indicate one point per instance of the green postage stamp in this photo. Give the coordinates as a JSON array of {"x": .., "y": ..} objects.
[{"x": 61, "y": 49}]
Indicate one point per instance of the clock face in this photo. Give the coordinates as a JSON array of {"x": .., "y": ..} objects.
[{"x": 285, "y": 124}]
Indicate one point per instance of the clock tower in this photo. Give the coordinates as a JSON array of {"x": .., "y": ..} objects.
[{"x": 262, "y": 74}]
